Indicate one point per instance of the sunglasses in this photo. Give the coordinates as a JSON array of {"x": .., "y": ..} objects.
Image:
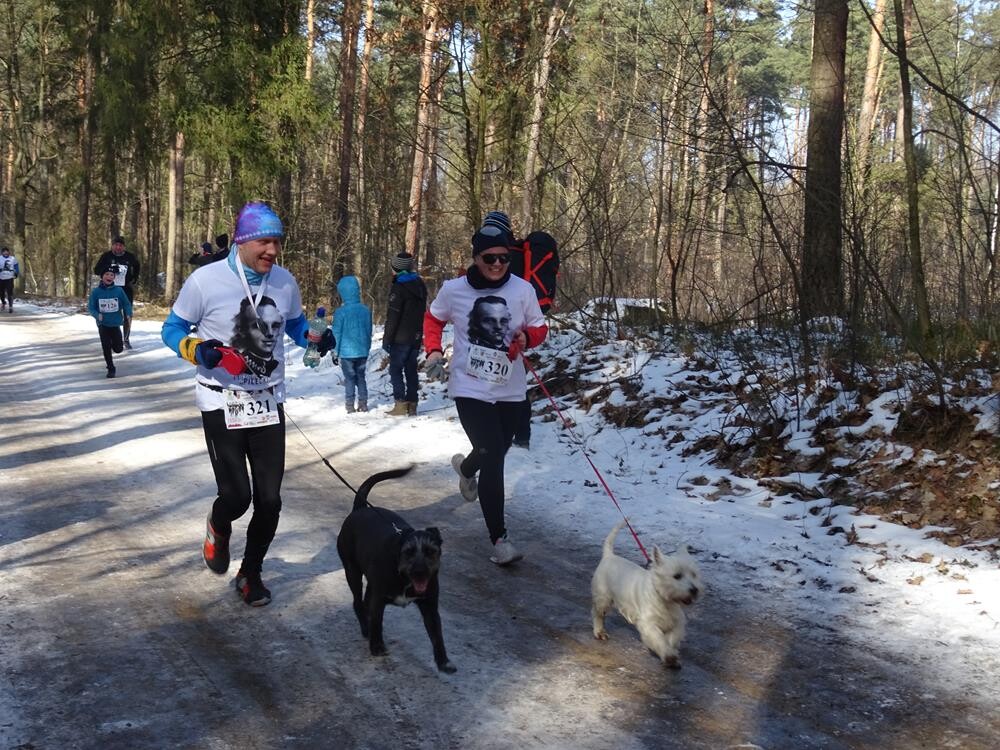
[{"x": 491, "y": 258}]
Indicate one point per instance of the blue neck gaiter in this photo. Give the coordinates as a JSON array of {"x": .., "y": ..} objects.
[{"x": 253, "y": 278}]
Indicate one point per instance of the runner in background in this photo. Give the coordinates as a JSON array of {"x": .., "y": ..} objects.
[
  {"x": 128, "y": 274},
  {"x": 109, "y": 305},
  {"x": 9, "y": 270}
]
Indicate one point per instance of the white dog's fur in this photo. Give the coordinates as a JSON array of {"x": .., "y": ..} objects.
[{"x": 649, "y": 599}]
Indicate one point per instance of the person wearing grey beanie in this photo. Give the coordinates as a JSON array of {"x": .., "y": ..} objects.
[{"x": 402, "y": 262}]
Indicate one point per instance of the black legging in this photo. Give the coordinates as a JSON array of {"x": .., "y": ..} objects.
[
  {"x": 127, "y": 319},
  {"x": 490, "y": 428},
  {"x": 7, "y": 291},
  {"x": 230, "y": 450},
  {"x": 111, "y": 341},
  {"x": 523, "y": 432}
]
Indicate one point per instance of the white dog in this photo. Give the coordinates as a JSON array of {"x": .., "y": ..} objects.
[{"x": 649, "y": 599}]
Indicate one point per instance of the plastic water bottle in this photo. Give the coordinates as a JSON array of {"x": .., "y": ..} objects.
[{"x": 317, "y": 326}]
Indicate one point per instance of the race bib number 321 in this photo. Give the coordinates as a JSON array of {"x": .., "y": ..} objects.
[
  {"x": 245, "y": 409},
  {"x": 488, "y": 365}
]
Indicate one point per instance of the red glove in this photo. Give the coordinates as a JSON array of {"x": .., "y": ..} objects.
[
  {"x": 232, "y": 362},
  {"x": 514, "y": 350}
]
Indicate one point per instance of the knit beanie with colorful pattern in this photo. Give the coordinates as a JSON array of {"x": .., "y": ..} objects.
[{"x": 257, "y": 221}]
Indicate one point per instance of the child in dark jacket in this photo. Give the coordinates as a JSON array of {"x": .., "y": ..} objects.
[
  {"x": 109, "y": 305},
  {"x": 404, "y": 330},
  {"x": 352, "y": 330}
]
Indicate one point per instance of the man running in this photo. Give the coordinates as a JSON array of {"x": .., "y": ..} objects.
[
  {"x": 241, "y": 309},
  {"x": 128, "y": 273}
]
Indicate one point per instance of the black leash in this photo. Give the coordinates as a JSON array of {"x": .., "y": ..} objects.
[{"x": 322, "y": 457}]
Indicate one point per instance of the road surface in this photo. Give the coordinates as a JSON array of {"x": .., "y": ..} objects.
[{"x": 115, "y": 635}]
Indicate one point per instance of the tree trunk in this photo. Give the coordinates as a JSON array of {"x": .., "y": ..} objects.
[
  {"x": 211, "y": 190},
  {"x": 993, "y": 245},
  {"x": 432, "y": 198},
  {"x": 85, "y": 87},
  {"x": 310, "y": 36},
  {"x": 175, "y": 215},
  {"x": 8, "y": 173},
  {"x": 364, "y": 79},
  {"x": 869, "y": 96},
  {"x": 421, "y": 131},
  {"x": 912, "y": 200},
  {"x": 541, "y": 84},
  {"x": 701, "y": 152},
  {"x": 822, "y": 283},
  {"x": 344, "y": 260}
]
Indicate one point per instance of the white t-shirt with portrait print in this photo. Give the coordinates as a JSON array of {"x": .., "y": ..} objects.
[
  {"x": 211, "y": 298},
  {"x": 484, "y": 323},
  {"x": 7, "y": 265}
]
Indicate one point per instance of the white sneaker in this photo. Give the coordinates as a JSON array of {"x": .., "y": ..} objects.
[
  {"x": 468, "y": 486},
  {"x": 504, "y": 552}
]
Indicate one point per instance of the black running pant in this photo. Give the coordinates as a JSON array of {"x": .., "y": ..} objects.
[
  {"x": 7, "y": 291},
  {"x": 263, "y": 448},
  {"x": 111, "y": 341},
  {"x": 490, "y": 428},
  {"x": 127, "y": 319},
  {"x": 523, "y": 432}
]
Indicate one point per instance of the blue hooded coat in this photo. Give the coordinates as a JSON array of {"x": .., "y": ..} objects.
[{"x": 352, "y": 321}]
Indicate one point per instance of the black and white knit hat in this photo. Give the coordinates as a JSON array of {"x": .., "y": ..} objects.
[
  {"x": 402, "y": 262},
  {"x": 498, "y": 219}
]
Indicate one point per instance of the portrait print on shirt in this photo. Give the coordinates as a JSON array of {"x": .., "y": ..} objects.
[
  {"x": 256, "y": 335},
  {"x": 489, "y": 322}
]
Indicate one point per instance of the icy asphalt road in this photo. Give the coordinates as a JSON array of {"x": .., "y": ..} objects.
[{"x": 114, "y": 635}]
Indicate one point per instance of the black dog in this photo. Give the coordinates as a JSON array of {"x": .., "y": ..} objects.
[{"x": 399, "y": 562}]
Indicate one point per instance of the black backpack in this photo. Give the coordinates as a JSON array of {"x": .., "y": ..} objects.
[{"x": 536, "y": 260}]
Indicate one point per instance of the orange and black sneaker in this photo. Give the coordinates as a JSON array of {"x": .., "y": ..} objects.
[
  {"x": 252, "y": 589},
  {"x": 215, "y": 550}
]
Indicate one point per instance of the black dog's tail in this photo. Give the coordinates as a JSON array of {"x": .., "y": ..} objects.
[{"x": 361, "y": 498}]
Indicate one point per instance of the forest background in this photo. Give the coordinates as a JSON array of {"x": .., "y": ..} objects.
[{"x": 739, "y": 161}]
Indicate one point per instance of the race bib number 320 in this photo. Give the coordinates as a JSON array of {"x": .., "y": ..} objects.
[
  {"x": 245, "y": 409},
  {"x": 488, "y": 365}
]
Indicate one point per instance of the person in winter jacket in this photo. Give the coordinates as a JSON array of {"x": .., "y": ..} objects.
[
  {"x": 486, "y": 379},
  {"x": 9, "y": 270},
  {"x": 109, "y": 305},
  {"x": 404, "y": 320},
  {"x": 352, "y": 330},
  {"x": 208, "y": 254},
  {"x": 128, "y": 274}
]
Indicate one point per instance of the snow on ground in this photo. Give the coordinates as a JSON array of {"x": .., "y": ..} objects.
[{"x": 893, "y": 584}]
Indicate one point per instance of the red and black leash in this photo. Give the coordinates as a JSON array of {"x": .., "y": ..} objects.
[{"x": 583, "y": 450}]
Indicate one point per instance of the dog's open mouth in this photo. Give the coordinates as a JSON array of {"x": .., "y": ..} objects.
[{"x": 419, "y": 584}]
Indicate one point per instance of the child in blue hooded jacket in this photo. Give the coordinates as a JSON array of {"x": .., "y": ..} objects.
[
  {"x": 109, "y": 305},
  {"x": 352, "y": 330}
]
